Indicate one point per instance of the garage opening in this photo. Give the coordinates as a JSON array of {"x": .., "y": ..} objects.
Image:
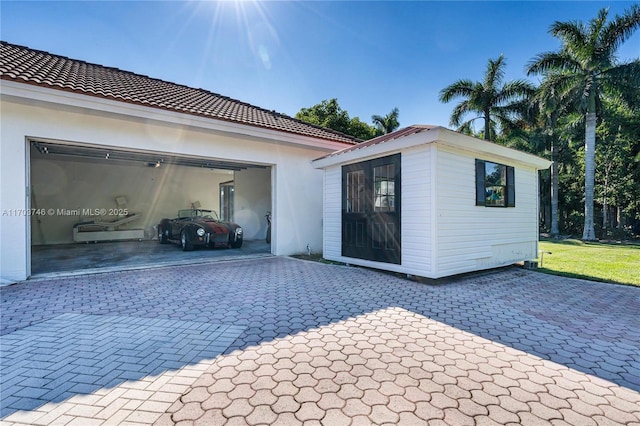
[{"x": 96, "y": 207}]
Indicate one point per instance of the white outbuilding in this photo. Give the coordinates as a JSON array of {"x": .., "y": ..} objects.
[{"x": 430, "y": 202}]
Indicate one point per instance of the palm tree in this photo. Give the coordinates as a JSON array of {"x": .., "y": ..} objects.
[
  {"x": 388, "y": 123},
  {"x": 585, "y": 69},
  {"x": 492, "y": 100},
  {"x": 549, "y": 106}
]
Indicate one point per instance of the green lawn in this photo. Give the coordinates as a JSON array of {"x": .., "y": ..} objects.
[{"x": 617, "y": 263}]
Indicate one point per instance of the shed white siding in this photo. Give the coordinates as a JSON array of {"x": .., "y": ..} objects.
[
  {"x": 332, "y": 213},
  {"x": 416, "y": 214},
  {"x": 443, "y": 232},
  {"x": 474, "y": 237},
  {"x": 416, "y": 210}
]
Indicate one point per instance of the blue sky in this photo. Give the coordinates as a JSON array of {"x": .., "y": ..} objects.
[{"x": 283, "y": 56}]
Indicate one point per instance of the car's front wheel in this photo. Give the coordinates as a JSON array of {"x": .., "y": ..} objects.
[
  {"x": 184, "y": 242},
  {"x": 236, "y": 244},
  {"x": 162, "y": 235}
]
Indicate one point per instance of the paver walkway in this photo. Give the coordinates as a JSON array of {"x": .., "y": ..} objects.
[{"x": 318, "y": 344}]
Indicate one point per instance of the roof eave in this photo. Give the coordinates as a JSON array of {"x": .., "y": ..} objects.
[
  {"x": 480, "y": 146},
  {"x": 439, "y": 135},
  {"x": 36, "y": 93}
]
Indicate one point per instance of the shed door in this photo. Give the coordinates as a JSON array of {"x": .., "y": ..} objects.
[{"x": 371, "y": 210}]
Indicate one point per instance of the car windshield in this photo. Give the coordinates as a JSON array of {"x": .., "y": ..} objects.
[{"x": 193, "y": 213}]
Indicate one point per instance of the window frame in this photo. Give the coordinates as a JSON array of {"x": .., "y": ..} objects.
[
  {"x": 482, "y": 184},
  {"x": 355, "y": 191},
  {"x": 384, "y": 190}
]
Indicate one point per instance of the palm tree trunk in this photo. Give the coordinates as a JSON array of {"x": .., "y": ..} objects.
[
  {"x": 588, "y": 233},
  {"x": 605, "y": 202},
  {"x": 554, "y": 190},
  {"x": 487, "y": 126}
]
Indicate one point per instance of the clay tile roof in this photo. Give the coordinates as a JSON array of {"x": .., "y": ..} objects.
[{"x": 24, "y": 65}]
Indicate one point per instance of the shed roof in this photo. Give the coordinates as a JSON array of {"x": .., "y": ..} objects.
[
  {"x": 25, "y": 65},
  {"x": 424, "y": 134},
  {"x": 411, "y": 130}
]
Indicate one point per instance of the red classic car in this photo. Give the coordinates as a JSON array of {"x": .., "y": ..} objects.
[{"x": 199, "y": 228}]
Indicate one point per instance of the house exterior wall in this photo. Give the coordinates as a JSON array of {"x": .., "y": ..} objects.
[
  {"x": 296, "y": 186},
  {"x": 471, "y": 237}
]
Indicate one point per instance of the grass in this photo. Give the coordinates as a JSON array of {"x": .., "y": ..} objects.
[{"x": 607, "y": 262}]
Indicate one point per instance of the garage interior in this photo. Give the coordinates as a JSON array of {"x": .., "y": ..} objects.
[{"x": 99, "y": 207}]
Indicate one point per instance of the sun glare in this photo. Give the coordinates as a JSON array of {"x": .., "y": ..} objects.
[{"x": 240, "y": 24}]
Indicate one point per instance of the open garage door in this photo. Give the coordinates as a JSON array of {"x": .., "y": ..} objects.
[{"x": 99, "y": 207}]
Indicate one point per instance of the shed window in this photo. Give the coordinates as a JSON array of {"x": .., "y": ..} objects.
[
  {"x": 384, "y": 179},
  {"x": 495, "y": 186}
]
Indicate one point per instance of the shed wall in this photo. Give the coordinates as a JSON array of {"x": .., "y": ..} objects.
[
  {"x": 417, "y": 210},
  {"x": 332, "y": 213},
  {"x": 417, "y": 214},
  {"x": 443, "y": 232},
  {"x": 474, "y": 237}
]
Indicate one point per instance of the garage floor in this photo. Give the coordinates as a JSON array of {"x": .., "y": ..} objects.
[{"x": 66, "y": 258}]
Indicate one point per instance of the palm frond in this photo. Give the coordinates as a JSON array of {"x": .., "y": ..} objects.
[
  {"x": 466, "y": 128},
  {"x": 623, "y": 81},
  {"x": 596, "y": 26},
  {"x": 515, "y": 89},
  {"x": 620, "y": 29},
  {"x": 626, "y": 75},
  {"x": 572, "y": 33},
  {"x": 495, "y": 72},
  {"x": 461, "y": 88},
  {"x": 552, "y": 61},
  {"x": 459, "y": 111}
]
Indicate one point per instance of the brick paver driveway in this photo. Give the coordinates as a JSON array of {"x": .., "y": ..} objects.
[{"x": 283, "y": 341}]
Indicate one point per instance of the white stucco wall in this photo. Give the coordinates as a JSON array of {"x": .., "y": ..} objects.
[{"x": 297, "y": 187}]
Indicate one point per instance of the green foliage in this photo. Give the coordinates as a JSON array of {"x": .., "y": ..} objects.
[
  {"x": 330, "y": 115},
  {"x": 496, "y": 102},
  {"x": 582, "y": 77},
  {"x": 388, "y": 123},
  {"x": 361, "y": 130}
]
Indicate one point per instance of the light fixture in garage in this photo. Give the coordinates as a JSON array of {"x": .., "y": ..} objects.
[{"x": 148, "y": 159}]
